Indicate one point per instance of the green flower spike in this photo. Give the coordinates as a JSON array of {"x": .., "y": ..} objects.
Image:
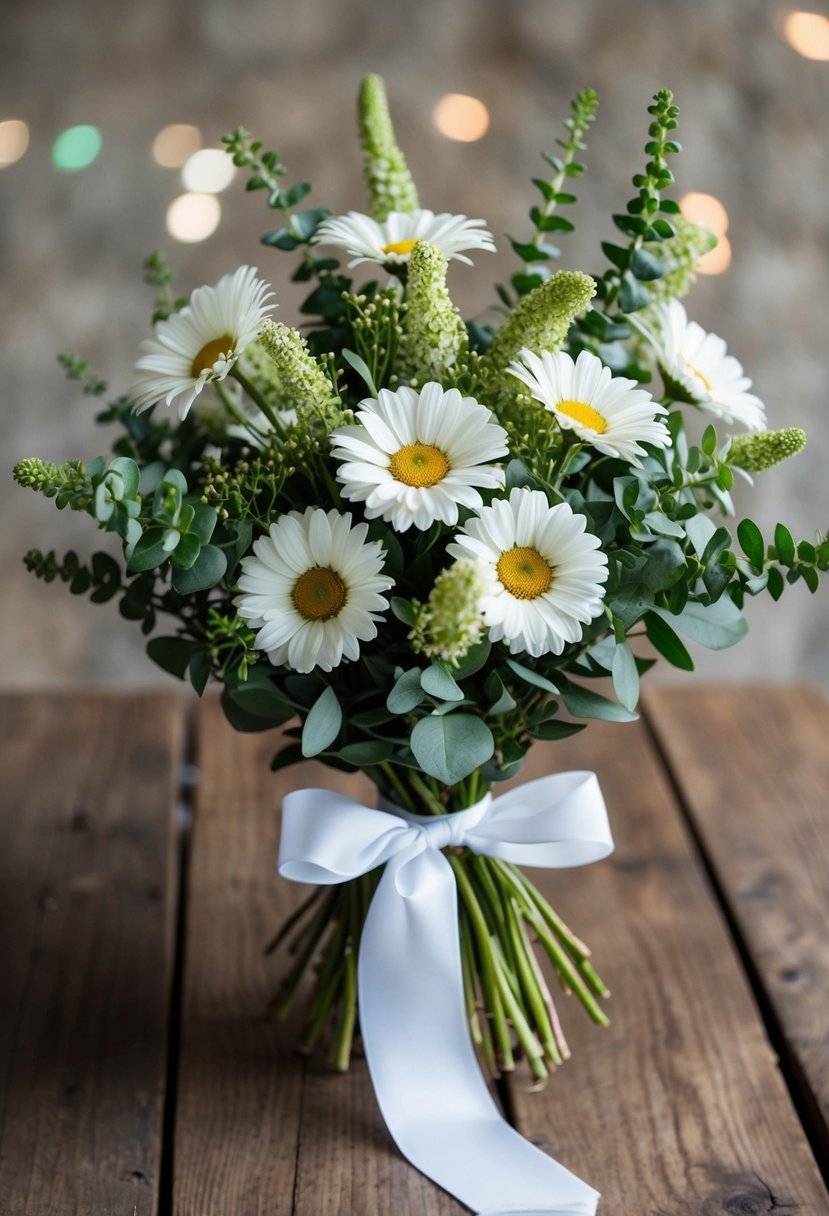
[
  {"x": 69, "y": 482},
  {"x": 755, "y": 453},
  {"x": 450, "y": 622},
  {"x": 540, "y": 320},
  {"x": 303, "y": 384},
  {"x": 385, "y": 170},
  {"x": 680, "y": 256},
  {"x": 434, "y": 334}
]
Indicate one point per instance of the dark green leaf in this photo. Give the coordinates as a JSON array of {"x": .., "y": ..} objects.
[
  {"x": 207, "y": 571},
  {"x": 776, "y": 583},
  {"x": 645, "y": 266},
  {"x": 751, "y": 540},
  {"x": 172, "y": 654},
  {"x": 662, "y": 637},
  {"x": 784, "y": 545}
]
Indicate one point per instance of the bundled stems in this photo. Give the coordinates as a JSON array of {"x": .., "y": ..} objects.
[{"x": 505, "y": 924}]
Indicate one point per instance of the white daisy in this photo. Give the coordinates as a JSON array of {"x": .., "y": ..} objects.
[
  {"x": 548, "y": 571},
  {"x": 417, "y": 456},
  {"x": 202, "y": 341},
  {"x": 391, "y": 241},
  {"x": 612, "y": 414},
  {"x": 313, "y": 589},
  {"x": 697, "y": 368}
]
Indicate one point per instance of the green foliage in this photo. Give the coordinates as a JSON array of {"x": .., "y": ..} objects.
[
  {"x": 435, "y": 710},
  {"x": 537, "y": 249},
  {"x": 78, "y": 368}
]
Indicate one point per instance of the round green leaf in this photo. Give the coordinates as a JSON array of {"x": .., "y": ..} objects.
[{"x": 451, "y": 746}]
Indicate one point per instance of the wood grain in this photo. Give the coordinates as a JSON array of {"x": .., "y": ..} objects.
[
  {"x": 752, "y": 766},
  {"x": 87, "y": 889},
  {"x": 258, "y": 1131},
  {"x": 678, "y": 1109}
]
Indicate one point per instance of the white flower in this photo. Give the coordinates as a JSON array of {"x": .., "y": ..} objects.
[
  {"x": 391, "y": 241},
  {"x": 313, "y": 589},
  {"x": 202, "y": 341},
  {"x": 416, "y": 456},
  {"x": 612, "y": 414},
  {"x": 548, "y": 571},
  {"x": 697, "y": 367}
]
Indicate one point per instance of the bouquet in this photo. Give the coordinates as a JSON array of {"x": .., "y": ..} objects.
[{"x": 416, "y": 543}]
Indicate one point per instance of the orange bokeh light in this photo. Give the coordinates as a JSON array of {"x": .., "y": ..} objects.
[
  {"x": 808, "y": 34},
  {"x": 461, "y": 117}
]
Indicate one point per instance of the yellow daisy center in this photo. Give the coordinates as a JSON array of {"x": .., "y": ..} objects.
[
  {"x": 399, "y": 247},
  {"x": 705, "y": 381},
  {"x": 210, "y": 352},
  {"x": 524, "y": 573},
  {"x": 418, "y": 464},
  {"x": 583, "y": 413},
  {"x": 319, "y": 594}
]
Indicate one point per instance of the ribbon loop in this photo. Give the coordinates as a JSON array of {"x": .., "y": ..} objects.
[{"x": 410, "y": 983}]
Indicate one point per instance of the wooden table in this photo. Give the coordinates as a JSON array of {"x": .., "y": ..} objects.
[{"x": 140, "y": 1069}]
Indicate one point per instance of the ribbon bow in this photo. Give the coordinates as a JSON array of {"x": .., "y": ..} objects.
[{"x": 410, "y": 983}]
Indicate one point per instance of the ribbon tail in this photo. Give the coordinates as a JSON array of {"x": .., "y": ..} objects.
[{"x": 425, "y": 1073}]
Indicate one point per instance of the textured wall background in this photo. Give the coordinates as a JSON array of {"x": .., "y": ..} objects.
[{"x": 753, "y": 124}]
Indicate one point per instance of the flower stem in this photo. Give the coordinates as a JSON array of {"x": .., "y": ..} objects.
[{"x": 258, "y": 399}]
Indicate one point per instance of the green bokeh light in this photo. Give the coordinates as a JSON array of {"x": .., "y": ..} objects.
[{"x": 76, "y": 148}]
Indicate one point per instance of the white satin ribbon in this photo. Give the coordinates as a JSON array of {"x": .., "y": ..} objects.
[{"x": 410, "y": 983}]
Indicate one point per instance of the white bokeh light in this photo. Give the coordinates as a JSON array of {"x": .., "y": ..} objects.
[
  {"x": 193, "y": 217},
  {"x": 208, "y": 171}
]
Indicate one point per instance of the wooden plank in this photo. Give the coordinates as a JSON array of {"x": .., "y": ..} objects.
[
  {"x": 253, "y": 1135},
  {"x": 87, "y": 889},
  {"x": 752, "y": 766},
  {"x": 677, "y": 1108}
]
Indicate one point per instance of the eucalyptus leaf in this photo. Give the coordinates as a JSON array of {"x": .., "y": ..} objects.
[
  {"x": 407, "y": 692},
  {"x": 451, "y": 746},
  {"x": 716, "y": 626},
  {"x": 437, "y": 682},
  {"x": 625, "y": 676},
  {"x": 531, "y": 677},
  {"x": 584, "y": 703},
  {"x": 322, "y": 724}
]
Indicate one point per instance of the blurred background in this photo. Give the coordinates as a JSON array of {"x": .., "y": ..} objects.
[{"x": 102, "y": 111}]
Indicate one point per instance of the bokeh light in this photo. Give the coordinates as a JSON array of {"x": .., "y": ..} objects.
[
  {"x": 14, "y": 140},
  {"x": 808, "y": 34},
  {"x": 193, "y": 217},
  {"x": 717, "y": 259},
  {"x": 460, "y": 117},
  {"x": 175, "y": 144},
  {"x": 208, "y": 171},
  {"x": 76, "y": 148},
  {"x": 707, "y": 210}
]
